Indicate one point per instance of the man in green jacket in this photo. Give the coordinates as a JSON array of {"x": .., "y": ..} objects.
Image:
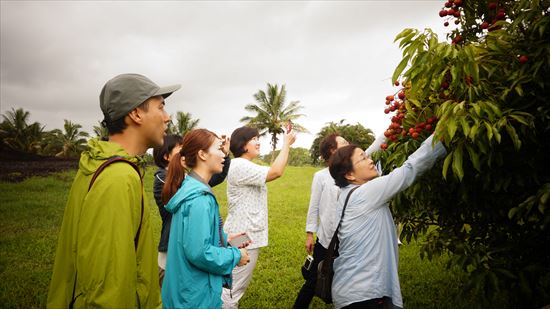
[{"x": 106, "y": 255}]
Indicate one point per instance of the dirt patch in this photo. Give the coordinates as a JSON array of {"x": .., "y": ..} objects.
[{"x": 16, "y": 166}]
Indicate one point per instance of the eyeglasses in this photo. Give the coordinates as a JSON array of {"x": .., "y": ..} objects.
[{"x": 363, "y": 158}]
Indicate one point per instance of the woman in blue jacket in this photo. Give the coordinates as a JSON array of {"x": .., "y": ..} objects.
[{"x": 199, "y": 262}]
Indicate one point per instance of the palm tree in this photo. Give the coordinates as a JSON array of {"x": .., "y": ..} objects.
[
  {"x": 101, "y": 132},
  {"x": 17, "y": 134},
  {"x": 184, "y": 124},
  {"x": 71, "y": 141},
  {"x": 272, "y": 114}
]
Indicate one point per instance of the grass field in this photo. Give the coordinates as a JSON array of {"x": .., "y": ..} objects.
[{"x": 32, "y": 212}]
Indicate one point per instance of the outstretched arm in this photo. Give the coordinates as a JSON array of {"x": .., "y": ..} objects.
[
  {"x": 278, "y": 166},
  {"x": 382, "y": 189}
]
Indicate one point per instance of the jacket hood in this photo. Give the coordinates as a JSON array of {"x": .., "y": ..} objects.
[
  {"x": 190, "y": 188},
  {"x": 99, "y": 151}
]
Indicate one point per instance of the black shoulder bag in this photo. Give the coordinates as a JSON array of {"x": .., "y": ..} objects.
[{"x": 325, "y": 271}]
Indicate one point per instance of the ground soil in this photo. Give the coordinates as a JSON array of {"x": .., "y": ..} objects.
[{"x": 16, "y": 166}]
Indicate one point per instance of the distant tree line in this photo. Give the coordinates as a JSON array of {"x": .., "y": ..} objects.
[
  {"x": 270, "y": 116},
  {"x": 17, "y": 133}
]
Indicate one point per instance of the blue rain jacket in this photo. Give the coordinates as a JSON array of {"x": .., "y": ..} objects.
[{"x": 196, "y": 264}]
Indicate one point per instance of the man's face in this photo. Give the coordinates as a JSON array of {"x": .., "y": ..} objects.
[{"x": 155, "y": 122}]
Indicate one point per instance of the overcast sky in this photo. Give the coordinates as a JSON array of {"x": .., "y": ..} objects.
[{"x": 335, "y": 57}]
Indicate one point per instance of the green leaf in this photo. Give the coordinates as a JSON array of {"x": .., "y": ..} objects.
[
  {"x": 432, "y": 42},
  {"x": 446, "y": 164},
  {"x": 496, "y": 134},
  {"x": 512, "y": 212},
  {"x": 519, "y": 119},
  {"x": 400, "y": 68},
  {"x": 542, "y": 202},
  {"x": 451, "y": 127},
  {"x": 473, "y": 131},
  {"x": 519, "y": 90},
  {"x": 465, "y": 126},
  {"x": 408, "y": 40},
  {"x": 458, "y": 107},
  {"x": 494, "y": 107},
  {"x": 454, "y": 72},
  {"x": 474, "y": 158},
  {"x": 514, "y": 136},
  {"x": 477, "y": 109},
  {"x": 403, "y": 34},
  {"x": 489, "y": 131},
  {"x": 415, "y": 102},
  {"x": 457, "y": 163}
]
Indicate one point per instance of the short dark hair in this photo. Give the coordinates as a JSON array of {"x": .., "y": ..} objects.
[
  {"x": 340, "y": 164},
  {"x": 328, "y": 145},
  {"x": 170, "y": 141},
  {"x": 115, "y": 126},
  {"x": 240, "y": 137}
]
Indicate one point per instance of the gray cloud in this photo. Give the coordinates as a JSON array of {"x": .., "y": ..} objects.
[{"x": 336, "y": 58}]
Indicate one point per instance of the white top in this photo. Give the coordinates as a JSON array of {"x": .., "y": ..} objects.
[
  {"x": 247, "y": 201},
  {"x": 367, "y": 267},
  {"x": 321, "y": 215}
]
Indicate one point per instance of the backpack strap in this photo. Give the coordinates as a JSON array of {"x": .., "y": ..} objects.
[
  {"x": 100, "y": 169},
  {"x": 335, "y": 242}
]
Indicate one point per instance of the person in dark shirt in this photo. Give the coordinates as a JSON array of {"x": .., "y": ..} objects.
[{"x": 162, "y": 156}]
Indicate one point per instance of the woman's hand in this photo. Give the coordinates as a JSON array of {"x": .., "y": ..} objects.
[
  {"x": 225, "y": 145},
  {"x": 231, "y": 236},
  {"x": 244, "y": 257},
  {"x": 289, "y": 138},
  {"x": 309, "y": 242}
]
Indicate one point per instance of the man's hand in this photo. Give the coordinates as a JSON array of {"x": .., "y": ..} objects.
[{"x": 309, "y": 242}]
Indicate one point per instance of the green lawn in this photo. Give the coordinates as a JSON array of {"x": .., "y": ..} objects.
[{"x": 32, "y": 212}]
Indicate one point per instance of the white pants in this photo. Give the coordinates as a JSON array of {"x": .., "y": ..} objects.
[{"x": 241, "y": 279}]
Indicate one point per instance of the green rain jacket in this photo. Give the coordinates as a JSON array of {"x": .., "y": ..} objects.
[{"x": 96, "y": 256}]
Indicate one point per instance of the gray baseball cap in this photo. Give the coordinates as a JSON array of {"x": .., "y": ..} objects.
[{"x": 125, "y": 92}]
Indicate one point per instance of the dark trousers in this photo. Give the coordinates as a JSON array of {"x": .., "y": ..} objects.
[
  {"x": 308, "y": 289},
  {"x": 377, "y": 303}
]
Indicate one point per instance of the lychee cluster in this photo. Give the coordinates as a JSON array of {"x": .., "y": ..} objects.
[
  {"x": 396, "y": 131},
  {"x": 450, "y": 11}
]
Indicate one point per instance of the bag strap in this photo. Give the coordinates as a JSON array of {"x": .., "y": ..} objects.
[
  {"x": 335, "y": 242},
  {"x": 100, "y": 169},
  {"x": 220, "y": 221}
]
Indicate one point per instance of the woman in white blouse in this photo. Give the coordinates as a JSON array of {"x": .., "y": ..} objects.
[{"x": 247, "y": 201}]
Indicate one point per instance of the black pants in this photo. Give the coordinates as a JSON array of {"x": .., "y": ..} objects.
[
  {"x": 308, "y": 289},
  {"x": 377, "y": 303}
]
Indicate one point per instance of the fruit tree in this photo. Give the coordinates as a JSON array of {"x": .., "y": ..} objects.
[{"x": 485, "y": 94}]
